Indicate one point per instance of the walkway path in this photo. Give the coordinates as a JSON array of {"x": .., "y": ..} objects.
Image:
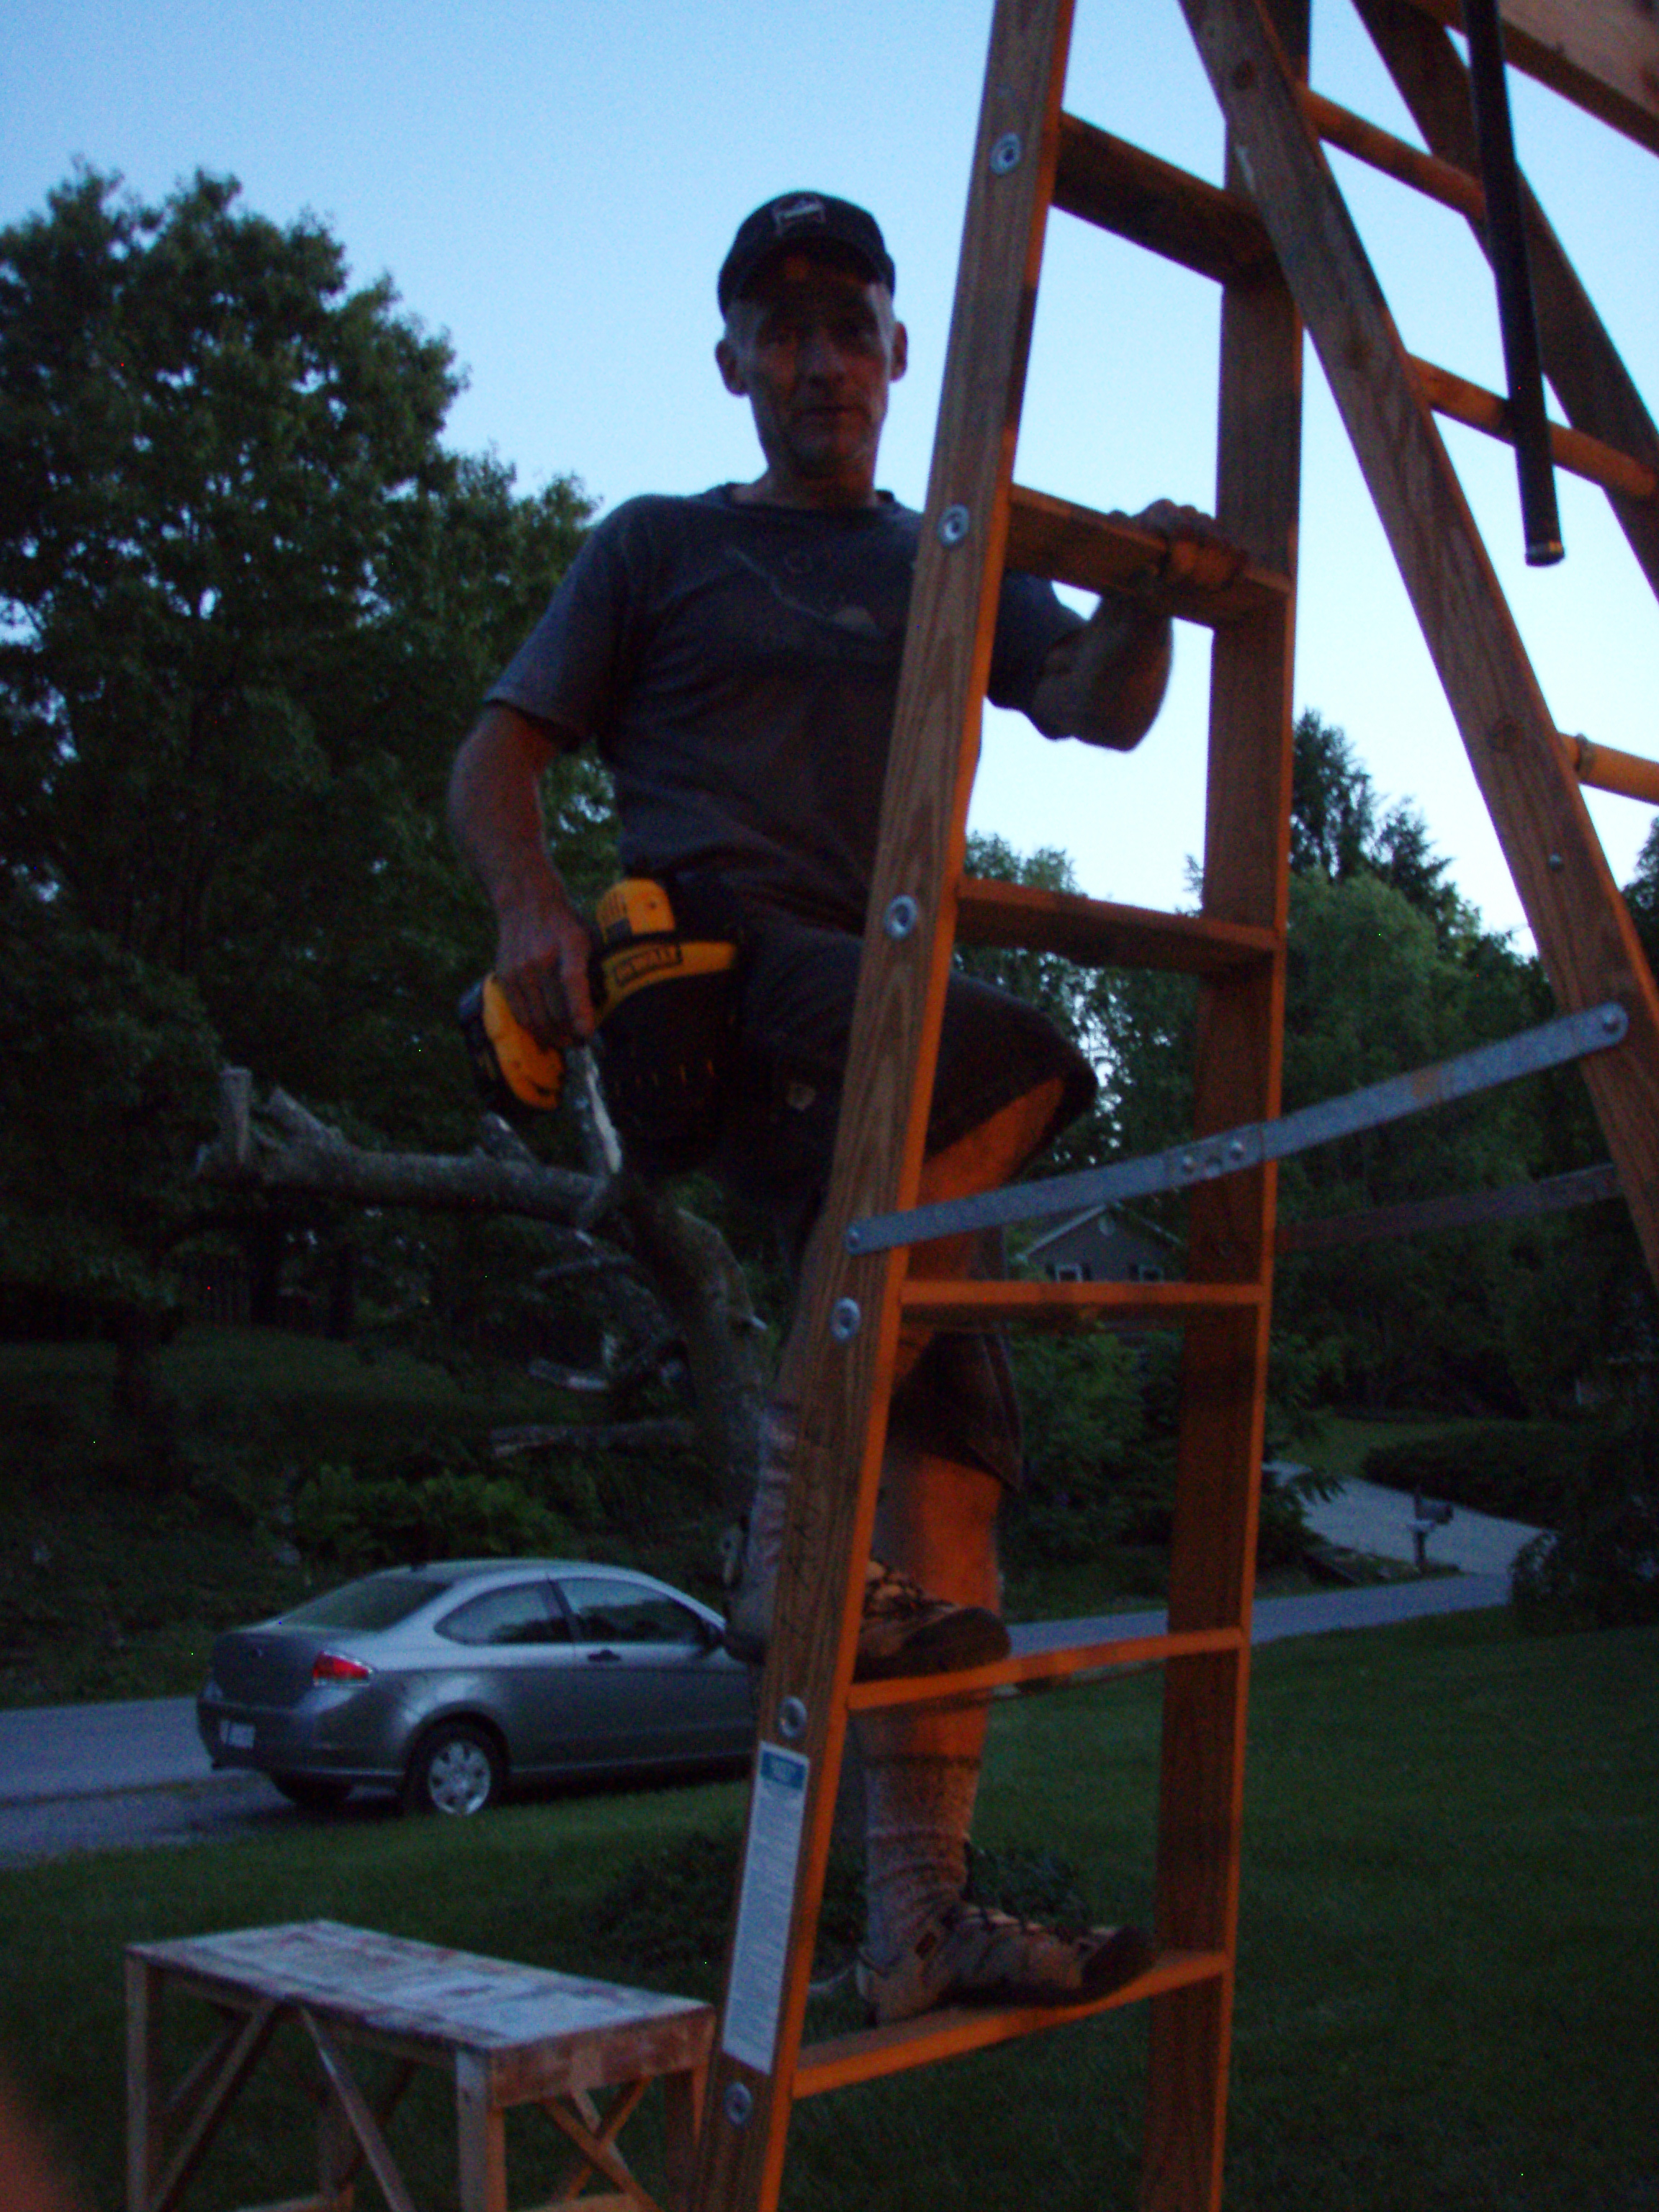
[
  {"x": 1365, "y": 1517},
  {"x": 1362, "y": 1517}
]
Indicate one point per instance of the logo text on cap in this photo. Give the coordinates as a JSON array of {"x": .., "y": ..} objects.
[{"x": 792, "y": 212}]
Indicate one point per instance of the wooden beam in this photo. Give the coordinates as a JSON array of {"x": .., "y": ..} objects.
[
  {"x": 867, "y": 2053},
  {"x": 1071, "y": 545},
  {"x": 849, "y": 1318},
  {"x": 1241, "y": 1025},
  {"x": 1380, "y": 149},
  {"x": 1604, "y": 769},
  {"x": 1601, "y": 54},
  {"x": 1122, "y": 188},
  {"x": 1099, "y": 933}
]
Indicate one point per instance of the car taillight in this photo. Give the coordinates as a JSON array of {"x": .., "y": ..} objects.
[{"x": 335, "y": 1666}]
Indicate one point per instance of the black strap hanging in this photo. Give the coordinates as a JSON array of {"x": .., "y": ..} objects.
[{"x": 1506, "y": 248}]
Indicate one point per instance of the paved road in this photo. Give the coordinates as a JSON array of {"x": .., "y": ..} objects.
[
  {"x": 88, "y": 1750},
  {"x": 96, "y": 1777},
  {"x": 1375, "y": 1605}
]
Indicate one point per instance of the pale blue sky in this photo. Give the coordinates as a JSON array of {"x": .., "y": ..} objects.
[{"x": 554, "y": 183}]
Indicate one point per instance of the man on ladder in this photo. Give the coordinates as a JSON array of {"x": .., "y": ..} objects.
[{"x": 735, "y": 658}]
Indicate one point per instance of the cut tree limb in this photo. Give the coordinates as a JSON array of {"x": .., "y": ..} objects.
[{"x": 665, "y": 1276}]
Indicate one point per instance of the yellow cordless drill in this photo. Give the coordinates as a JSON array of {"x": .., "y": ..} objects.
[{"x": 664, "y": 1053}]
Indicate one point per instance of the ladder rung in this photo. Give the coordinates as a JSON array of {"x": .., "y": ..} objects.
[
  {"x": 1573, "y": 450},
  {"x": 1096, "y": 934},
  {"x": 1606, "y": 770},
  {"x": 871, "y": 2052},
  {"x": 1071, "y": 544},
  {"x": 1062, "y": 1662},
  {"x": 1122, "y": 188},
  {"x": 1380, "y": 149},
  {"x": 945, "y": 1303}
]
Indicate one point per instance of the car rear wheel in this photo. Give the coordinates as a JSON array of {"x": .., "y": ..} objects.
[
  {"x": 313, "y": 1793},
  {"x": 457, "y": 1768}
]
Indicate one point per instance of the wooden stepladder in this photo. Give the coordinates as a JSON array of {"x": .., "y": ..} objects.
[{"x": 1278, "y": 242}]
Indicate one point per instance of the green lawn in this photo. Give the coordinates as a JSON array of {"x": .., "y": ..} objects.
[{"x": 1449, "y": 1991}]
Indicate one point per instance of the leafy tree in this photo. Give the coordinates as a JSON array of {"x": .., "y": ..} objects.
[
  {"x": 1339, "y": 828},
  {"x": 248, "y": 603},
  {"x": 1081, "y": 1002},
  {"x": 1332, "y": 801},
  {"x": 1642, "y": 896},
  {"x": 1580, "y": 1315},
  {"x": 1598, "y": 1565},
  {"x": 1371, "y": 992},
  {"x": 203, "y": 442},
  {"x": 107, "y": 1073},
  {"x": 1389, "y": 968}
]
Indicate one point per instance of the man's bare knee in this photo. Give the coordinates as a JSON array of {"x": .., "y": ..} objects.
[{"x": 995, "y": 1150}]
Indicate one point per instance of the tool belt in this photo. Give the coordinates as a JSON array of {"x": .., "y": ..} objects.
[{"x": 669, "y": 957}]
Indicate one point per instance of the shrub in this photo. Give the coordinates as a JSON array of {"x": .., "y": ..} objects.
[
  {"x": 429, "y": 1504},
  {"x": 1081, "y": 1399},
  {"x": 1599, "y": 1567},
  {"x": 1520, "y": 1471},
  {"x": 1282, "y": 1534},
  {"x": 668, "y": 1911}
]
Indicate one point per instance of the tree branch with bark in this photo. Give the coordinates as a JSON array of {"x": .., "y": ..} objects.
[{"x": 667, "y": 1281}]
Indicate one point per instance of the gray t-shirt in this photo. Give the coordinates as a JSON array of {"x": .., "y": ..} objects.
[{"x": 736, "y": 667}]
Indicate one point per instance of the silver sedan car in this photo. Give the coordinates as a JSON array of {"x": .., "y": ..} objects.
[{"x": 448, "y": 1682}]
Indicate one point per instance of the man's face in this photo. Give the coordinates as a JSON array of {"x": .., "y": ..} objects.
[{"x": 813, "y": 346}]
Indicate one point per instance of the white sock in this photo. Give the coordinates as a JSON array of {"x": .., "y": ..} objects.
[{"x": 919, "y": 1808}]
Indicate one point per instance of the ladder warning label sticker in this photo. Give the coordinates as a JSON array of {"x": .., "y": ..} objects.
[{"x": 765, "y": 1903}]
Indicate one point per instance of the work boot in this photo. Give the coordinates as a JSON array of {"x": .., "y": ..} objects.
[
  {"x": 903, "y": 1631},
  {"x": 968, "y": 1955}
]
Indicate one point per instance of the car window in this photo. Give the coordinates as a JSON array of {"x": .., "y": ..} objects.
[
  {"x": 376, "y": 1602},
  {"x": 607, "y": 1612},
  {"x": 522, "y": 1613}
]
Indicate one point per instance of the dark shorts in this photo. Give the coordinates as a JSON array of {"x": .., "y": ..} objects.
[
  {"x": 780, "y": 1134},
  {"x": 800, "y": 983}
]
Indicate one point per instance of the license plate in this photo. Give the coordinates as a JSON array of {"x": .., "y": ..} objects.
[{"x": 239, "y": 1735}]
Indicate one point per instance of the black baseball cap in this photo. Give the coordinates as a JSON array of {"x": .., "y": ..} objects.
[{"x": 805, "y": 221}]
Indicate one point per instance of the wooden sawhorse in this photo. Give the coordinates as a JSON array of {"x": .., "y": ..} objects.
[{"x": 511, "y": 2035}]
